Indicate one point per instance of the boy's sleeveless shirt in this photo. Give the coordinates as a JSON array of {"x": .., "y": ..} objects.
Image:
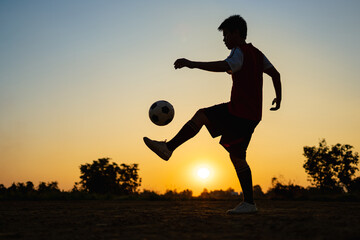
[{"x": 246, "y": 92}]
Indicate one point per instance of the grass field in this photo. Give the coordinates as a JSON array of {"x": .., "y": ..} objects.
[{"x": 177, "y": 220}]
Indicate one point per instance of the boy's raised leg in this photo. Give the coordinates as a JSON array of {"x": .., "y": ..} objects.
[{"x": 189, "y": 130}]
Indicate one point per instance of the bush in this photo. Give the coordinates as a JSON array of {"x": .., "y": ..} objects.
[{"x": 282, "y": 191}]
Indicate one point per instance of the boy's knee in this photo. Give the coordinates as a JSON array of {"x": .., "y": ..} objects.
[
  {"x": 200, "y": 113},
  {"x": 200, "y": 117},
  {"x": 237, "y": 151},
  {"x": 239, "y": 163}
]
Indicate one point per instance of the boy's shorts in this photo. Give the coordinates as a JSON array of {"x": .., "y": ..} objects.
[{"x": 235, "y": 132}]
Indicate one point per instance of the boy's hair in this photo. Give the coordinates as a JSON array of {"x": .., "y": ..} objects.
[{"x": 235, "y": 22}]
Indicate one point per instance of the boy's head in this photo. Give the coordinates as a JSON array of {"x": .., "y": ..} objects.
[
  {"x": 234, "y": 30},
  {"x": 234, "y": 23}
]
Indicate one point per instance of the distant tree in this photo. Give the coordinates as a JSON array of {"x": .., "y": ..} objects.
[
  {"x": 48, "y": 187},
  {"x": 330, "y": 168},
  {"x": 104, "y": 177},
  {"x": 21, "y": 187},
  {"x": 12, "y": 188},
  {"x": 29, "y": 187},
  {"x": 24, "y": 187}
]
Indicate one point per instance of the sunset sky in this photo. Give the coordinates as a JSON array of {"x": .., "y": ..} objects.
[{"x": 77, "y": 79}]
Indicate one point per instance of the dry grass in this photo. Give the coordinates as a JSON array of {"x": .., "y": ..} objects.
[{"x": 177, "y": 220}]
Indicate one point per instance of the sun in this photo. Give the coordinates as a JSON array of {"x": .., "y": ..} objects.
[{"x": 203, "y": 173}]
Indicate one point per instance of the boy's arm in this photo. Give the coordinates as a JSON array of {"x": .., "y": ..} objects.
[
  {"x": 275, "y": 75},
  {"x": 218, "y": 66}
]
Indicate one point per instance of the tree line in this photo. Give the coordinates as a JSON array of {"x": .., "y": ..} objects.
[{"x": 330, "y": 169}]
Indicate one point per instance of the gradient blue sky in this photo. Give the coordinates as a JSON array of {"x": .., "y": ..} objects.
[{"x": 77, "y": 79}]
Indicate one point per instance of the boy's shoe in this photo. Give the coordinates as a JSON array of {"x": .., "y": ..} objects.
[
  {"x": 243, "y": 207},
  {"x": 159, "y": 148}
]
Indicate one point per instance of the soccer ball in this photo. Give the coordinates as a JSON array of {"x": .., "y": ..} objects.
[{"x": 161, "y": 113}]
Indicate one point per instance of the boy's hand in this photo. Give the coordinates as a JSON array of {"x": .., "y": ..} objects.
[
  {"x": 182, "y": 62},
  {"x": 277, "y": 106}
]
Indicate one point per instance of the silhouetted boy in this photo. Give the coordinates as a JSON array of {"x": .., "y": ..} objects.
[{"x": 236, "y": 120}]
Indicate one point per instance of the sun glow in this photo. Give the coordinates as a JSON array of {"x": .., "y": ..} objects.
[{"x": 203, "y": 173}]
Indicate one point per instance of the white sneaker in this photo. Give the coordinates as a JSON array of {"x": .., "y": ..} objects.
[
  {"x": 243, "y": 207},
  {"x": 159, "y": 148}
]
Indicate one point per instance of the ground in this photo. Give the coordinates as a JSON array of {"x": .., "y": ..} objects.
[{"x": 177, "y": 220}]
